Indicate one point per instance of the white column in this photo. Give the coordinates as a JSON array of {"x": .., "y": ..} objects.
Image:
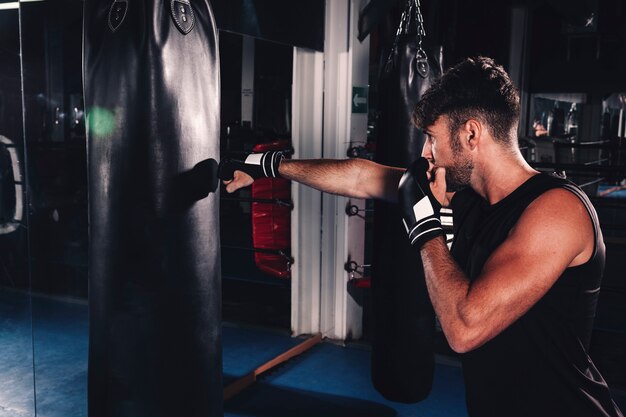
[
  {"x": 307, "y": 122},
  {"x": 345, "y": 59},
  {"x": 355, "y": 230},
  {"x": 323, "y": 236}
]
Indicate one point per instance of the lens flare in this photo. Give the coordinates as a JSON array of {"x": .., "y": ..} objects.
[{"x": 100, "y": 121}]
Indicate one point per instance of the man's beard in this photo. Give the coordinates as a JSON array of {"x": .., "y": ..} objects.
[{"x": 459, "y": 175}]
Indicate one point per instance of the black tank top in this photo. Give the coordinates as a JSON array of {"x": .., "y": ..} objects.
[{"x": 539, "y": 365}]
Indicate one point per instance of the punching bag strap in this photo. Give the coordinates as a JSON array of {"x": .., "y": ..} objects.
[{"x": 412, "y": 7}]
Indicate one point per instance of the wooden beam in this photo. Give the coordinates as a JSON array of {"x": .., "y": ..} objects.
[{"x": 244, "y": 382}]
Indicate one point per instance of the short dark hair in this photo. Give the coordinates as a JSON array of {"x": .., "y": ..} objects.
[{"x": 474, "y": 88}]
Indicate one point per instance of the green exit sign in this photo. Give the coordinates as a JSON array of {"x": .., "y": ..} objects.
[{"x": 359, "y": 99}]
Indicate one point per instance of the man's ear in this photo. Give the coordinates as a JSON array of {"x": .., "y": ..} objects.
[{"x": 471, "y": 132}]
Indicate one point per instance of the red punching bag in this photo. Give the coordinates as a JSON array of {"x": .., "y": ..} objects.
[
  {"x": 271, "y": 222},
  {"x": 151, "y": 82}
]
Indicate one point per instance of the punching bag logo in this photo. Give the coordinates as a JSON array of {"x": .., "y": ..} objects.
[
  {"x": 117, "y": 13},
  {"x": 421, "y": 62},
  {"x": 183, "y": 16}
]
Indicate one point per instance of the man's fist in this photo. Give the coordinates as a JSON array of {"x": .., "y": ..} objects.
[
  {"x": 240, "y": 180},
  {"x": 239, "y": 174},
  {"x": 420, "y": 209},
  {"x": 257, "y": 165}
]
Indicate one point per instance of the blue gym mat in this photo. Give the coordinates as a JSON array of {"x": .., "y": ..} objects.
[
  {"x": 16, "y": 356},
  {"x": 334, "y": 381},
  {"x": 615, "y": 192},
  {"x": 328, "y": 380}
]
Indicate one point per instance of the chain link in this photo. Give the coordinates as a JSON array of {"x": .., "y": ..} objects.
[
  {"x": 421, "y": 32},
  {"x": 413, "y": 7},
  {"x": 401, "y": 28}
]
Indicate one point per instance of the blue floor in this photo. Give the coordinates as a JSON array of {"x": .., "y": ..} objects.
[
  {"x": 328, "y": 380},
  {"x": 16, "y": 356},
  {"x": 615, "y": 192},
  {"x": 334, "y": 381},
  {"x": 60, "y": 335}
]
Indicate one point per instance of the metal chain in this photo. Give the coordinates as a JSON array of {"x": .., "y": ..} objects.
[
  {"x": 409, "y": 13},
  {"x": 402, "y": 28},
  {"x": 421, "y": 32},
  {"x": 412, "y": 7},
  {"x": 420, "y": 57}
]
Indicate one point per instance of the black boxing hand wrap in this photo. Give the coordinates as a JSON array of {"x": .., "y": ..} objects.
[
  {"x": 420, "y": 209},
  {"x": 257, "y": 165}
]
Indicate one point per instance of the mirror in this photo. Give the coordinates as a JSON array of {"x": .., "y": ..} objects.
[
  {"x": 256, "y": 77},
  {"x": 284, "y": 21},
  {"x": 557, "y": 116},
  {"x": 613, "y": 131},
  {"x": 55, "y": 144},
  {"x": 16, "y": 350},
  {"x": 613, "y": 126}
]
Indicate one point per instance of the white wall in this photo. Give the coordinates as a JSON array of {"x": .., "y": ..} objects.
[{"x": 323, "y": 236}]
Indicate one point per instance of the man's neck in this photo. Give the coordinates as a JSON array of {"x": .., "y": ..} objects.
[{"x": 495, "y": 181}]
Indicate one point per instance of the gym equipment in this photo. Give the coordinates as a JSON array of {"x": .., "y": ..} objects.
[
  {"x": 271, "y": 205},
  {"x": 271, "y": 223},
  {"x": 403, "y": 317},
  {"x": 11, "y": 194},
  {"x": 257, "y": 165},
  {"x": 151, "y": 82},
  {"x": 420, "y": 208}
]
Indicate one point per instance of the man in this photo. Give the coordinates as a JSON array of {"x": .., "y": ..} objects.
[{"x": 516, "y": 294}]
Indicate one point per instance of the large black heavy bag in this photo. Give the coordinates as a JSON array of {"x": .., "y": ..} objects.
[
  {"x": 151, "y": 79},
  {"x": 403, "y": 317}
]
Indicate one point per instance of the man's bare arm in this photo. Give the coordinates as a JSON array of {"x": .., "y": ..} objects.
[
  {"x": 356, "y": 178},
  {"x": 554, "y": 232}
]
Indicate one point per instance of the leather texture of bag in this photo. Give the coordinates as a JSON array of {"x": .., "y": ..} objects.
[
  {"x": 152, "y": 96},
  {"x": 403, "y": 317}
]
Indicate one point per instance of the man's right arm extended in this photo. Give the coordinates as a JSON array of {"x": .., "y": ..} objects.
[{"x": 356, "y": 178}]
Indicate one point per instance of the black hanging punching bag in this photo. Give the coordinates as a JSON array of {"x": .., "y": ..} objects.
[
  {"x": 151, "y": 83},
  {"x": 403, "y": 317}
]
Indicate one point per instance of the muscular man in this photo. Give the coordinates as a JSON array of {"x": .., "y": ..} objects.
[{"x": 516, "y": 294}]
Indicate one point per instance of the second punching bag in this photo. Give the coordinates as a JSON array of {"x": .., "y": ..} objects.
[
  {"x": 403, "y": 317},
  {"x": 151, "y": 81}
]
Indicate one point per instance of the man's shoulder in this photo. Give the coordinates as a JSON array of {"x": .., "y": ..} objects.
[
  {"x": 559, "y": 195},
  {"x": 547, "y": 181},
  {"x": 558, "y": 200}
]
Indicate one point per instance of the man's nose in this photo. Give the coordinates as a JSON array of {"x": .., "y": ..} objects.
[{"x": 427, "y": 151}]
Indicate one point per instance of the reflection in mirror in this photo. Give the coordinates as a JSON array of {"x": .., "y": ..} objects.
[
  {"x": 256, "y": 78},
  {"x": 571, "y": 134},
  {"x": 55, "y": 145},
  {"x": 557, "y": 116},
  {"x": 16, "y": 360},
  {"x": 11, "y": 204},
  {"x": 613, "y": 131},
  {"x": 614, "y": 117},
  {"x": 294, "y": 23}
]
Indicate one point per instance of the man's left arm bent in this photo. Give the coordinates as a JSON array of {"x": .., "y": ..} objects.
[{"x": 553, "y": 233}]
